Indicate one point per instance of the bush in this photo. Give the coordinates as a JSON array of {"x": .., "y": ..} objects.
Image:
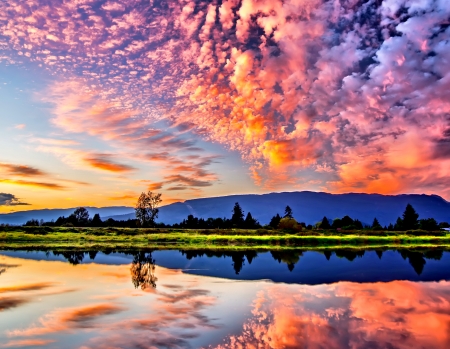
[{"x": 289, "y": 224}]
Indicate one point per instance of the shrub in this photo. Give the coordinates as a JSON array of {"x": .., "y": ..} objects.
[{"x": 289, "y": 224}]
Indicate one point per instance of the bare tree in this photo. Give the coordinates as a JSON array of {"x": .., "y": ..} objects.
[{"x": 147, "y": 208}]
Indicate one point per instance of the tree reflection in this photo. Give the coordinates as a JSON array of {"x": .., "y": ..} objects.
[
  {"x": 73, "y": 258},
  {"x": 415, "y": 259},
  {"x": 289, "y": 257},
  {"x": 143, "y": 271},
  {"x": 350, "y": 255},
  {"x": 238, "y": 261}
]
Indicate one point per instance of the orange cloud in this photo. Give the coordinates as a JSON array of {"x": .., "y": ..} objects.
[
  {"x": 28, "y": 343},
  {"x": 21, "y": 170},
  {"x": 261, "y": 77},
  {"x": 103, "y": 162},
  {"x": 40, "y": 185}
]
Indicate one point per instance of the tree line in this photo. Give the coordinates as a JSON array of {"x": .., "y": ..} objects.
[{"x": 147, "y": 210}]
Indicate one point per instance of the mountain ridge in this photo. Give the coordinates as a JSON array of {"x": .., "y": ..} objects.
[{"x": 309, "y": 207}]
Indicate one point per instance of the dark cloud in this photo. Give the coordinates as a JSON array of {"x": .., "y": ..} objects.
[
  {"x": 21, "y": 170},
  {"x": 7, "y": 303},
  {"x": 10, "y": 200}
]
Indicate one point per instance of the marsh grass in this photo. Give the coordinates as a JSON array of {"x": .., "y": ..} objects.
[{"x": 163, "y": 238}]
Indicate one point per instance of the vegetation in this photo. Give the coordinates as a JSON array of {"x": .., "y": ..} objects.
[
  {"x": 236, "y": 231},
  {"x": 163, "y": 238},
  {"x": 147, "y": 209}
]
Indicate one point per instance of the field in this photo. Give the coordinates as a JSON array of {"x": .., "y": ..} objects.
[{"x": 160, "y": 238}]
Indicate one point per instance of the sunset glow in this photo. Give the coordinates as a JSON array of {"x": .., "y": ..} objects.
[{"x": 101, "y": 100}]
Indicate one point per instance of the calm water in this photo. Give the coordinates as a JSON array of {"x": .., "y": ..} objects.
[{"x": 198, "y": 299}]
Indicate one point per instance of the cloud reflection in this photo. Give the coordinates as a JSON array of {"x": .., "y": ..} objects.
[{"x": 397, "y": 314}]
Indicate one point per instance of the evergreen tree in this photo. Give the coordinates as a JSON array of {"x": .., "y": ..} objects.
[
  {"x": 288, "y": 212},
  {"x": 275, "y": 221},
  {"x": 410, "y": 218},
  {"x": 237, "y": 219},
  {"x": 96, "y": 221},
  {"x": 250, "y": 222},
  {"x": 376, "y": 225},
  {"x": 399, "y": 224},
  {"x": 346, "y": 221},
  {"x": 325, "y": 223}
]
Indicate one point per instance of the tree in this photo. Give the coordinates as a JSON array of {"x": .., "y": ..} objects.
[
  {"x": 398, "y": 224},
  {"x": 275, "y": 221},
  {"x": 146, "y": 208},
  {"x": 237, "y": 218},
  {"x": 410, "y": 218},
  {"x": 80, "y": 216},
  {"x": 325, "y": 223},
  {"x": 429, "y": 224},
  {"x": 376, "y": 225},
  {"x": 250, "y": 222},
  {"x": 347, "y": 222},
  {"x": 289, "y": 224},
  {"x": 32, "y": 223},
  {"x": 96, "y": 221},
  {"x": 288, "y": 212},
  {"x": 337, "y": 223}
]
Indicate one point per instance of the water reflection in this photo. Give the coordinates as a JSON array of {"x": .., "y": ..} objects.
[
  {"x": 143, "y": 271},
  {"x": 53, "y": 304},
  {"x": 239, "y": 259},
  {"x": 399, "y": 314}
]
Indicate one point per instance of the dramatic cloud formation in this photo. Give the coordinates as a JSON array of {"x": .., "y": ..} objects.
[
  {"x": 334, "y": 95},
  {"x": 10, "y": 200}
]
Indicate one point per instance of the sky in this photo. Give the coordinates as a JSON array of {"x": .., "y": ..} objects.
[{"x": 102, "y": 100}]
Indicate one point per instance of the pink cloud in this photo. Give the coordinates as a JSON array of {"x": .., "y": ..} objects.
[{"x": 341, "y": 83}]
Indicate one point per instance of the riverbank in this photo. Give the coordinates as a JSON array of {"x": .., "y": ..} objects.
[{"x": 125, "y": 238}]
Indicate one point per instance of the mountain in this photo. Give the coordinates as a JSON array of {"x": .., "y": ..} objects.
[
  {"x": 308, "y": 207},
  {"x": 48, "y": 214}
]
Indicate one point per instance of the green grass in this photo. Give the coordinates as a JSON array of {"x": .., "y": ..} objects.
[{"x": 126, "y": 238}]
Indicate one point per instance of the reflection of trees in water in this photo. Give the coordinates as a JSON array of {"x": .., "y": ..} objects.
[
  {"x": 349, "y": 254},
  {"x": 237, "y": 257},
  {"x": 415, "y": 259},
  {"x": 76, "y": 257},
  {"x": 143, "y": 271},
  {"x": 289, "y": 257},
  {"x": 143, "y": 265}
]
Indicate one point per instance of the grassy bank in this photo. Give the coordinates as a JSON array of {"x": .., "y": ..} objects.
[{"x": 125, "y": 238}]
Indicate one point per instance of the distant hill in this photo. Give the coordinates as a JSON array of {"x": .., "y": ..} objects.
[
  {"x": 49, "y": 214},
  {"x": 308, "y": 207}
]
